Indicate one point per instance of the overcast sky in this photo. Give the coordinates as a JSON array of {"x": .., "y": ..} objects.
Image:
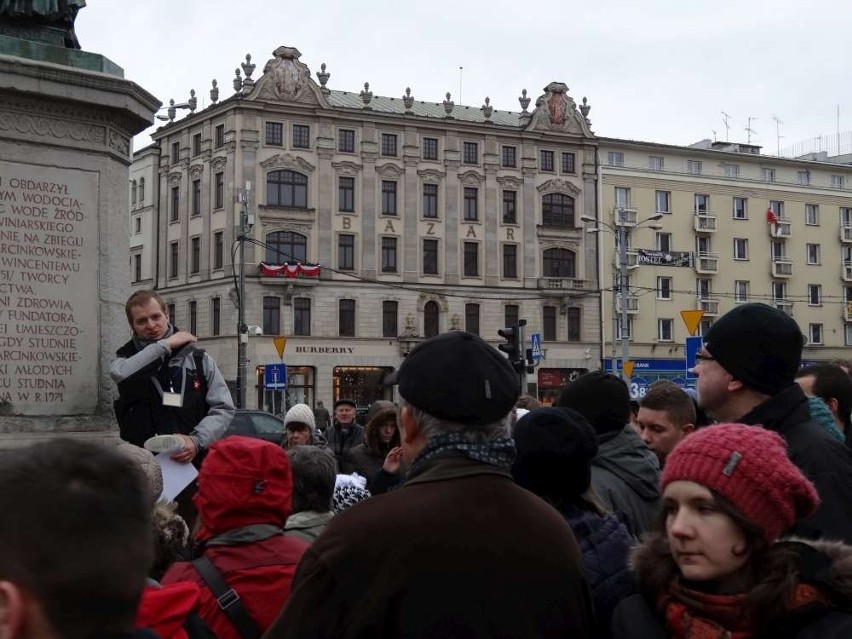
[{"x": 654, "y": 70}]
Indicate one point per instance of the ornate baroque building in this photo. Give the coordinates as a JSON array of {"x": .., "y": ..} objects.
[{"x": 376, "y": 222}]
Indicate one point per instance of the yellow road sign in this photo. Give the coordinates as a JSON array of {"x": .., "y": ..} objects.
[
  {"x": 627, "y": 367},
  {"x": 692, "y": 319},
  {"x": 280, "y": 343}
]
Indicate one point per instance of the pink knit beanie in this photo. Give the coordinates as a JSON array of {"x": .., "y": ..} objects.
[{"x": 748, "y": 466}]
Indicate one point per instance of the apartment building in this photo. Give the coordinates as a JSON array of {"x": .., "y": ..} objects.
[
  {"x": 375, "y": 222},
  {"x": 730, "y": 225}
]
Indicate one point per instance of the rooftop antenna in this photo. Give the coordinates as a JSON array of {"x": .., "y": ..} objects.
[
  {"x": 778, "y": 136},
  {"x": 461, "y": 69},
  {"x": 714, "y": 134},
  {"x": 749, "y": 130},
  {"x": 726, "y": 117}
]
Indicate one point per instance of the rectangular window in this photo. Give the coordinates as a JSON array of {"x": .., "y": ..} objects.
[
  {"x": 388, "y": 255},
  {"x": 175, "y": 152},
  {"x": 430, "y": 257},
  {"x": 301, "y": 316},
  {"x": 388, "y": 197},
  {"x": 193, "y": 318},
  {"x": 664, "y": 288},
  {"x": 664, "y": 242},
  {"x": 510, "y": 207},
  {"x": 622, "y": 196},
  {"x": 812, "y": 251},
  {"x": 814, "y": 295},
  {"x": 702, "y": 203},
  {"x": 137, "y": 268},
  {"x": 196, "y": 197},
  {"x": 390, "y": 315},
  {"x": 346, "y": 194},
  {"x": 471, "y": 318},
  {"x": 215, "y": 316},
  {"x": 346, "y": 140},
  {"x": 430, "y": 149},
  {"x": 471, "y": 204},
  {"x": 615, "y": 158},
  {"x": 740, "y": 212},
  {"x": 271, "y": 316},
  {"x": 740, "y": 248},
  {"x": 811, "y": 214},
  {"x": 574, "y": 331},
  {"x": 663, "y": 199},
  {"x": 275, "y": 133},
  {"x": 137, "y": 225},
  {"x": 219, "y": 135},
  {"x": 218, "y": 249},
  {"x": 510, "y": 156},
  {"x": 732, "y": 170},
  {"x": 195, "y": 255},
  {"x": 471, "y": 153},
  {"x": 845, "y": 216},
  {"x": 665, "y": 330},
  {"x": 741, "y": 291},
  {"x": 511, "y": 313},
  {"x": 301, "y": 136},
  {"x": 545, "y": 162},
  {"x": 346, "y": 318},
  {"x": 693, "y": 166},
  {"x": 568, "y": 162},
  {"x": 174, "y": 255},
  {"x": 779, "y": 291},
  {"x": 655, "y": 162},
  {"x": 777, "y": 207},
  {"x": 430, "y": 200},
  {"x": 389, "y": 144},
  {"x": 471, "y": 259},
  {"x": 219, "y": 196},
  {"x": 172, "y": 313},
  {"x": 803, "y": 177},
  {"x": 175, "y": 210},
  {"x": 346, "y": 252},
  {"x": 548, "y": 324},
  {"x": 768, "y": 175},
  {"x": 815, "y": 333},
  {"x": 837, "y": 181},
  {"x": 510, "y": 261},
  {"x": 196, "y": 144}
]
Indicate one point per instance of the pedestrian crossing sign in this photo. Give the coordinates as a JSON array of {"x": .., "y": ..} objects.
[{"x": 535, "y": 344}]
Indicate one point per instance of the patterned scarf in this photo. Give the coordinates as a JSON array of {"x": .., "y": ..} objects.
[{"x": 497, "y": 452}]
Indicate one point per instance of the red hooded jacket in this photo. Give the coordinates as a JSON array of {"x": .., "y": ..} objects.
[
  {"x": 244, "y": 482},
  {"x": 165, "y": 610}
]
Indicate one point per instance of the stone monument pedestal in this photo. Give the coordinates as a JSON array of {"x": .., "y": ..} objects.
[{"x": 66, "y": 122}]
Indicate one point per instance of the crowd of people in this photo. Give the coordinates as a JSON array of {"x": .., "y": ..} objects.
[{"x": 462, "y": 511}]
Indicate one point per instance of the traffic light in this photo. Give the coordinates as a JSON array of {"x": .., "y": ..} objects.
[{"x": 512, "y": 347}]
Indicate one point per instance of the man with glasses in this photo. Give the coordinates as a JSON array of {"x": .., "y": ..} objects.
[{"x": 746, "y": 373}]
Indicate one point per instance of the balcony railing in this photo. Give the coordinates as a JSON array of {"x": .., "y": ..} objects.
[
  {"x": 785, "y": 306},
  {"x": 847, "y": 312},
  {"x": 781, "y": 267},
  {"x": 565, "y": 283},
  {"x": 625, "y": 216},
  {"x": 704, "y": 222},
  {"x": 707, "y": 262},
  {"x": 782, "y": 229},
  {"x": 710, "y": 305},
  {"x": 631, "y": 301},
  {"x": 846, "y": 271},
  {"x": 845, "y": 232}
]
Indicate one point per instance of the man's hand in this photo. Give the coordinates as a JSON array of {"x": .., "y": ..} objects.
[
  {"x": 189, "y": 450},
  {"x": 179, "y": 339},
  {"x": 392, "y": 461}
]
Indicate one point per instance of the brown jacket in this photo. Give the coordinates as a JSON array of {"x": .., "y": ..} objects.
[{"x": 458, "y": 551}]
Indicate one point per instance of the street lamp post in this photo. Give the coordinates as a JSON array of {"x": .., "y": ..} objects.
[
  {"x": 246, "y": 222},
  {"x": 621, "y": 231}
]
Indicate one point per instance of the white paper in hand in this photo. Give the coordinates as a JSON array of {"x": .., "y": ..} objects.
[{"x": 176, "y": 476}]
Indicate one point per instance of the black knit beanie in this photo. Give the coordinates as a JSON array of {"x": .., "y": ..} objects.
[
  {"x": 602, "y": 398},
  {"x": 758, "y": 345}
]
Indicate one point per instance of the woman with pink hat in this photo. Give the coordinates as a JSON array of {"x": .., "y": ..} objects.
[{"x": 716, "y": 566}]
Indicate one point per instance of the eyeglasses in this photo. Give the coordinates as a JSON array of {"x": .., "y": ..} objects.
[{"x": 703, "y": 358}]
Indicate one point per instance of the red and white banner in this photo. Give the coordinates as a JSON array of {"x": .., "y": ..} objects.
[{"x": 289, "y": 269}]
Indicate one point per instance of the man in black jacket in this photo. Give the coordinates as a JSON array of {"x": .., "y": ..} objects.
[{"x": 746, "y": 373}]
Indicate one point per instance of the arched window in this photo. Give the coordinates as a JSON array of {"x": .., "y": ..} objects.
[
  {"x": 430, "y": 319},
  {"x": 557, "y": 209},
  {"x": 559, "y": 262},
  {"x": 287, "y": 188},
  {"x": 141, "y": 191},
  {"x": 286, "y": 246},
  {"x": 133, "y": 194}
]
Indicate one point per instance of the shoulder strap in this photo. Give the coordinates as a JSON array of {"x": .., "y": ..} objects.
[{"x": 227, "y": 598}]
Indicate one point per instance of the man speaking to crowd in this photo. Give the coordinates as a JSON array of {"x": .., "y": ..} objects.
[{"x": 166, "y": 385}]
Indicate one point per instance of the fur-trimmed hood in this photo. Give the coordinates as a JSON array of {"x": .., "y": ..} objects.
[{"x": 824, "y": 563}]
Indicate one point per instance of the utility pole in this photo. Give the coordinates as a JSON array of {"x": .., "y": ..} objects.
[
  {"x": 246, "y": 222},
  {"x": 621, "y": 233}
]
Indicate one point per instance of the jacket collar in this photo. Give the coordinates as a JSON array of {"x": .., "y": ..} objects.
[
  {"x": 790, "y": 406},
  {"x": 452, "y": 466}
]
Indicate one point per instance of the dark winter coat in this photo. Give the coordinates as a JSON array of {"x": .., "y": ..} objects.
[
  {"x": 339, "y": 441},
  {"x": 458, "y": 551},
  {"x": 826, "y": 565},
  {"x": 605, "y": 544},
  {"x": 823, "y": 460},
  {"x": 626, "y": 477}
]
